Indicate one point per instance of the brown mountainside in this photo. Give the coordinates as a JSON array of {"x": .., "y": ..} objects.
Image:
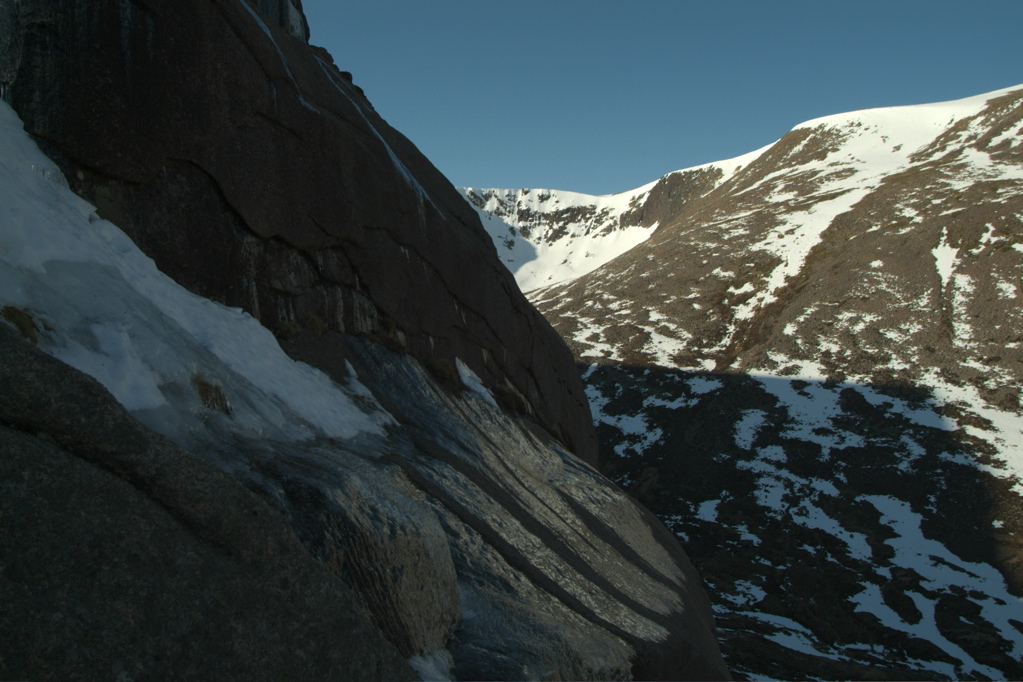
[{"x": 810, "y": 371}]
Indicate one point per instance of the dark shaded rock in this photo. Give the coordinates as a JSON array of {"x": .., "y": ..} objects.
[
  {"x": 257, "y": 175},
  {"x": 782, "y": 663},
  {"x": 254, "y": 173},
  {"x": 124, "y": 555},
  {"x": 558, "y": 573},
  {"x": 670, "y": 197},
  {"x": 788, "y": 590}
]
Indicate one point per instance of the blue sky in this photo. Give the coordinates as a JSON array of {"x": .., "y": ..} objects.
[{"x": 601, "y": 96}]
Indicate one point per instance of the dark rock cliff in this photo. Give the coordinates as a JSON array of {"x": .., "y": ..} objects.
[
  {"x": 125, "y": 555},
  {"x": 254, "y": 173},
  {"x": 460, "y": 535}
]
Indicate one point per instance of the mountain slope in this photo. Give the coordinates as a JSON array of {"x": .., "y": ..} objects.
[
  {"x": 546, "y": 237},
  {"x": 811, "y": 372},
  {"x": 254, "y": 343}
]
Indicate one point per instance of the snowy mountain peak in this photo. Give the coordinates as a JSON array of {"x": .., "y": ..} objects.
[{"x": 549, "y": 236}]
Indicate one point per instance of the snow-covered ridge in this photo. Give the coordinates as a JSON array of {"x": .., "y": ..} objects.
[
  {"x": 179, "y": 362},
  {"x": 773, "y": 211},
  {"x": 547, "y": 237},
  {"x": 910, "y": 121},
  {"x": 550, "y": 236}
]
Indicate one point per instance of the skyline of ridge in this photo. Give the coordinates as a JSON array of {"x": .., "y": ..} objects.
[{"x": 602, "y": 97}]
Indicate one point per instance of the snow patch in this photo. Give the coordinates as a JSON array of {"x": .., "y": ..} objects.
[
  {"x": 473, "y": 382},
  {"x": 433, "y": 666},
  {"x": 945, "y": 259},
  {"x": 110, "y": 313}
]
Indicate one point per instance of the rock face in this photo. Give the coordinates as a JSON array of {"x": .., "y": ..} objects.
[
  {"x": 421, "y": 499},
  {"x": 254, "y": 173},
  {"x": 124, "y": 555},
  {"x": 811, "y": 372}
]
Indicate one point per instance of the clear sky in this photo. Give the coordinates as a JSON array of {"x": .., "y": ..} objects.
[{"x": 601, "y": 96}]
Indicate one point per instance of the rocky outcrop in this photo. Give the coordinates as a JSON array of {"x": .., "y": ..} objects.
[
  {"x": 253, "y": 172},
  {"x": 125, "y": 556},
  {"x": 428, "y": 500}
]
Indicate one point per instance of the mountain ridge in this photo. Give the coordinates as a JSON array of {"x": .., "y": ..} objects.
[
  {"x": 541, "y": 255},
  {"x": 811, "y": 373}
]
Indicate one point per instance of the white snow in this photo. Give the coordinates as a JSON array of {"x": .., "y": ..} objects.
[
  {"x": 473, "y": 382},
  {"x": 1006, "y": 290},
  {"x": 104, "y": 308},
  {"x": 533, "y": 254},
  {"x": 704, "y": 384},
  {"x": 433, "y": 666},
  {"x": 811, "y": 410},
  {"x": 1005, "y": 432},
  {"x": 745, "y": 593},
  {"x": 747, "y": 427},
  {"x": 789, "y": 633},
  {"x": 945, "y": 258},
  {"x": 941, "y": 571},
  {"x": 537, "y": 258},
  {"x": 914, "y": 125},
  {"x": 708, "y": 511}
]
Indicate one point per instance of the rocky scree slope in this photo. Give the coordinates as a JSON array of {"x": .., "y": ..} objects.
[
  {"x": 405, "y": 501},
  {"x": 811, "y": 372}
]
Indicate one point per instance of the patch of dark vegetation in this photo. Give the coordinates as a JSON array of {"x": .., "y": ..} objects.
[
  {"x": 23, "y": 322},
  {"x": 211, "y": 393}
]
